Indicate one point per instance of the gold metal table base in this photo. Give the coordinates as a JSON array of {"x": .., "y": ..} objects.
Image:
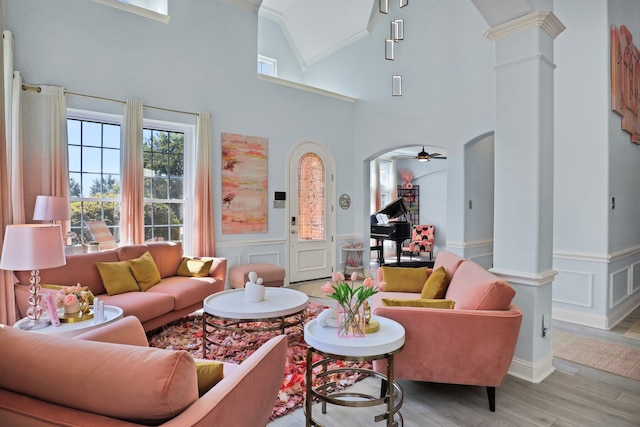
[
  {"x": 392, "y": 397},
  {"x": 212, "y": 323}
]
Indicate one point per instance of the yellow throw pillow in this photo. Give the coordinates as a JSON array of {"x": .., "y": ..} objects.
[
  {"x": 424, "y": 303},
  {"x": 145, "y": 271},
  {"x": 117, "y": 277},
  {"x": 404, "y": 279},
  {"x": 436, "y": 284},
  {"x": 194, "y": 267},
  {"x": 209, "y": 373}
]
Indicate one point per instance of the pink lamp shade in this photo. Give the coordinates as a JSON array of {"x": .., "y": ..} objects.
[
  {"x": 51, "y": 208},
  {"x": 32, "y": 247}
]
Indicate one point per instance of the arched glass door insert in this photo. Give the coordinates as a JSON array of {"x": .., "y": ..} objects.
[{"x": 311, "y": 198}]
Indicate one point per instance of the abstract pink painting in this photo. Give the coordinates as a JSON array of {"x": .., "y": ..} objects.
[{"x": 244, "y": 184}]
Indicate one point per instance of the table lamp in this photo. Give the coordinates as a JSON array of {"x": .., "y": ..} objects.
[
  {"x": 33, "y": 247},
  {"x": 51, "y": 208}
]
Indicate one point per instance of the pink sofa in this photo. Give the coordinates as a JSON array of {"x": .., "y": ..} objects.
[
  {"x": 172, "y": 298},
  {"x": 471, "y": 344},
  {"x": 110, "y": 377}
]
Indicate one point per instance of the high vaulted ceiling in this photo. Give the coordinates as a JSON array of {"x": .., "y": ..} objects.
[{"x": 316, "y": 29}]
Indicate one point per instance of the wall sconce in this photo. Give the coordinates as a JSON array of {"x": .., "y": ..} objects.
[
  {"x": 396, "y": 85},
  {"x": 388, "y": 49},
  {"x": 384, "y": 6},
  {"x": 397, "y": 29}
]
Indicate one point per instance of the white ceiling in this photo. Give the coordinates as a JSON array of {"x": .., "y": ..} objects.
[{"x": 313, "y": 28}]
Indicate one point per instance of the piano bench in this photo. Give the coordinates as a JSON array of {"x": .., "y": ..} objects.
[{"x": 272, "y": 275}]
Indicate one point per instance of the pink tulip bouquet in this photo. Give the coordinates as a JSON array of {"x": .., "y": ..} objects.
[{"x": 350, "y": 301}]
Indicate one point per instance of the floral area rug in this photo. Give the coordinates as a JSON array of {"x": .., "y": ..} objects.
[{"x": 186, "y": 334}]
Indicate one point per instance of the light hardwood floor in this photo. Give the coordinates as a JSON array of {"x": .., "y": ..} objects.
[{"x": 572, "y": 396}]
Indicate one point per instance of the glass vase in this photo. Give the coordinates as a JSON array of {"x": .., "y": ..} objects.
[{"x": 351, "y": 318}]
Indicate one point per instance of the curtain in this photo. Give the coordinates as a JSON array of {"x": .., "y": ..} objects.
[
  {"x": 44, "y": 132},
  {"x": 11, "y": 207},
  {"x": 203, "y": 239},
  {"x": 132, "y": 211}
]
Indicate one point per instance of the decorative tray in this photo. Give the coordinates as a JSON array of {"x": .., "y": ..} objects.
[{"x": 75, "y": 317}]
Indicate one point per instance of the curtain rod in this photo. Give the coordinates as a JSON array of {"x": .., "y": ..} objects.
[{"x": 39, "y": 89}]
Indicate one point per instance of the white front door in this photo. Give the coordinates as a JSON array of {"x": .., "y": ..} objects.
[{"x": 311, "y": 215}]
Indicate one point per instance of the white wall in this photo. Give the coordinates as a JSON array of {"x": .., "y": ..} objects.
[
  {"x": 596, "y": 248},
  {"x": 204, "y": 59}
]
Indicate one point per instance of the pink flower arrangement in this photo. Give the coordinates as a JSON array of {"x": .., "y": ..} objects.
[{"x": 70, "y": 295}]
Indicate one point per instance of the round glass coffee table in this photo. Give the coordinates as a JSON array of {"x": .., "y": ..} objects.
[
  {"x": 383, "y": 344},
  {"x": 228, "y": 311}
]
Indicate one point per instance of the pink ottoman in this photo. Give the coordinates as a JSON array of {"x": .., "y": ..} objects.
[{"x": 272, "y": 275}]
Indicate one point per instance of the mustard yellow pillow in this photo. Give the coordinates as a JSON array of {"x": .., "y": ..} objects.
[
  {"x": 145, "y": 271},
  {"x": 425, "y": 303},
  {"x": 209, "y": 373},
  {"x": 436, "y": 284},
  {"x": 117, "y": 277},
  {"x": 403, "y": 279},
  {"x": 194, "y": 267}
]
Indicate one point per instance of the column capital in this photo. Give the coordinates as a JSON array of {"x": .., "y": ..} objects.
[{"x": 541, "y": 18}]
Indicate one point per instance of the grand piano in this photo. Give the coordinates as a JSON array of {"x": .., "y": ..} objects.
[{"x": 390, "y": 223}]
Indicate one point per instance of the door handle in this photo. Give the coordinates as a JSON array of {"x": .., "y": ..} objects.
[{"x": 293, "y": 231}]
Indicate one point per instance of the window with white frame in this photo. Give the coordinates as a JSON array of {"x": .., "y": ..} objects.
[
  {"x": 94, "y": 172},
  {"x": 267, "y": 66},
  {"x": 94, "y": 175}
]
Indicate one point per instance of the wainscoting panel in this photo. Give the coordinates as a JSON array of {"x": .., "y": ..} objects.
[
  {"x": 267, "y": 257},
  {"x": 635, "y": 277},
  {"x": 574, "y": 288},
  {"x": 619, "y": 287}
]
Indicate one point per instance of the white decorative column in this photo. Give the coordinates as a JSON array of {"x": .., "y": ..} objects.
[{"x": 523, "y": 229}]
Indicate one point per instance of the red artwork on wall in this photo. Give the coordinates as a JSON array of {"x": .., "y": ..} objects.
[{"x": 625, "y": 80}]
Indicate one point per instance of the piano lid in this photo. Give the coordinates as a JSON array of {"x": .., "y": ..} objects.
[{"x": 394, "y": 209}]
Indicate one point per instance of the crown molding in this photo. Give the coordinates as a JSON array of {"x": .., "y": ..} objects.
[{"x": 544, "y": 19}]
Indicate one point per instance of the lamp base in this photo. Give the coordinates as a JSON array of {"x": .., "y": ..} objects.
[{"x": 33, "y": 325}]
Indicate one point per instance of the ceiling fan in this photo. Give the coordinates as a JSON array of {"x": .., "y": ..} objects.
[{"x": 422, "y": 156}]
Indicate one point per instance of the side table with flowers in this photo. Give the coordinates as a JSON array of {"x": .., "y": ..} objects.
[{"x": 352, "y": 302}]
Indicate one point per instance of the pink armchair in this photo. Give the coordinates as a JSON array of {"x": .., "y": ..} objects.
[
  {"x": 422, "y": 240},
  {"x": 472, "y": 344}
]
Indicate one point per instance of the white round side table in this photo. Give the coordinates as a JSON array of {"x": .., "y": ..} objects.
[
  {"x": 67, "y": 330},
  {"x": 383, "y": 344}
]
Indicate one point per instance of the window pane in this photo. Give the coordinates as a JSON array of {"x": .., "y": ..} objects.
[
  {"x": 311, "y": 198},
  {"x": 91, "y": 134},
  {"x": 75, "y": 158},
  {"x": 176, "y": 165},
  {"x": 91, "y": 185},
  {"x": 111, "y": 135},
  {"x": 175, "y": 188},
  {"x": 91, "y": 159},
  {"x": 159, "y": 188},
  {"x": 111, "y": 161},
  {"x": 73, "y": 132}
]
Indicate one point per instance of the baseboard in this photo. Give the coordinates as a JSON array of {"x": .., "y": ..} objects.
[
  {"x": 533, "y": 372},
  {"x": 584, "y": 319}
]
